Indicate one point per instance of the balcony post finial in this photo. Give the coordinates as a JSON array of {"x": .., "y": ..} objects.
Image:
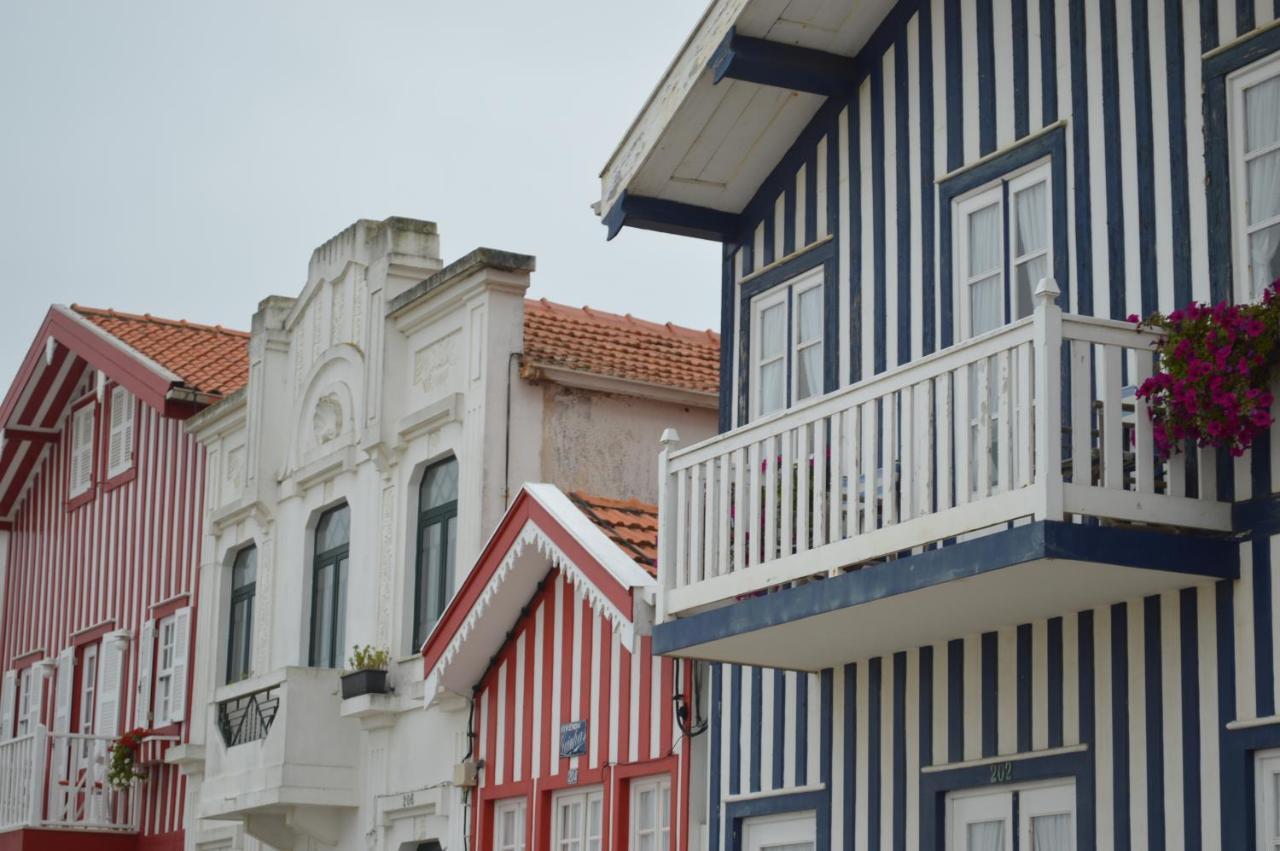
[
  {"x": 670, "y": 437},
  {"x": 1047, "y": 291}
]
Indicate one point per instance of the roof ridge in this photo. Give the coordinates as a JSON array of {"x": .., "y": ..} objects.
[
  {"x": 626, "y": 319},
  {"x": 159, "y": 320}
]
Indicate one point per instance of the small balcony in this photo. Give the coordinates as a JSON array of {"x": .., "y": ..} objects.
[
  {"x": 1010, "y": 477},
  {"x": 280, "y": 758},
  {"x": 59, "y": 781}
]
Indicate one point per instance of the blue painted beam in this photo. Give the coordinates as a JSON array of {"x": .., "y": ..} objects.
[
  {"x": 673, "y": 217},
  {"x": 785, "y": 66}
]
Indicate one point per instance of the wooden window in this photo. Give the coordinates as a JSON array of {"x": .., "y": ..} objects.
[
  {"x": 437, "y": 546},
  {"x": 1253, "y": 110},
  {"x": 120, "y": 439},
  {"x": 244, "y": 575},
  {"x": 329, "y": 587},
  {"x": 787, "y": 353},
  {"x": 81, "y": 473},
  {"x": 577, "y": 824},
  {"x": 508, "y": 825},
  {"x": 166, "y": 658},
  {"x": 1266, "y": 790},
  {"x": 1003, "y": 244},
  {"x": 88, "y": 688},
  {"x": 789, "y": 832},
  {"x": 651, "y": 814},
  {"x": 1043, "y": 816}
]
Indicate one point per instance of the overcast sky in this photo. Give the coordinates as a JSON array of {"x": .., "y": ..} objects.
[{"x": 184, "y": 159}]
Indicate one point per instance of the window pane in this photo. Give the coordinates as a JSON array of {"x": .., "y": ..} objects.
[
  {"x": 439, "y": 485},
  {"x": 322, "y": 605},
  {"x": 773, "y": 331},
  {"x": 245, "y": 569},
  {"x": 450, "y": 559},
  {"x": 340, "y": 624},
  {"x": 984, "y": 305},
  {"x": 984, "y": 241},
  {"x": 645, "y": 810},
  {"x": 1051, "y": 833},
  {"x": 1262, "y": 114},
  {"x": 236, "y": 647},
  {"x": 334, "y": 529},
  {"x": 1264, "y": 187},
  {"x": 809, "y": 372},
  {"x": 1264, "y": 258},
  {"x": 1026, "y": 276},
  {"x": 429, "y": 577},
  {"x": 986, "y": 836},
  {"x": 773, "y": 387},
  {"x": 809, "y": 315},
  {"x": 1032, "y": 229}
]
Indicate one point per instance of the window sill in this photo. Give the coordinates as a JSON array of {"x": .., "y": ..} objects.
[
  {"x": 119, "y": 479},
  {"x": 82, "y": 499}
]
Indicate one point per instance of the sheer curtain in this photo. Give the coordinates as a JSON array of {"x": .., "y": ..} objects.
[
  {"x": 773, "y": 366},
  {"x": 1262, "y": 130},
  {"x": 809, "y": 343},
  {"x": 1051, "y": 833},
  {"x": 986, "y": 836},
  {"x": 1031, "y": 239},
  {"x": 984, "y": 269}
]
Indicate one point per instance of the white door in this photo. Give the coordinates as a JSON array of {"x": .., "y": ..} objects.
[
  {"x": 788, "y": 832},
  {"x": 983, "y": 819},
  {"x": 1266, "y": 790},
  {"x": 981, "y": 822}
]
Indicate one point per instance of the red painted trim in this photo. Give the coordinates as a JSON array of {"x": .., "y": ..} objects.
[
  {"x": 167, "y": 607},
  {"x": 549, "y": 635},
  {"x": 530, "y": 657},
  {"x": 626, "y": 660},
  {"x": 30, "y": 435},
  {"x": 665, "y": 705},
  {"x": 644, "y": 751},
  {"x": 95, "y": 633},
  {"x": 47, "y": 376},
  {"x": 26, "y": 660},
  {"x": 585, "y": 709},
  {"x": 566, "y": 678}
]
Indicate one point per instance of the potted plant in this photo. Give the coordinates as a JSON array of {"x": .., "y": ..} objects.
[
  {"x": 124, "y": 767},
  {"x": 368, "y": 672}
]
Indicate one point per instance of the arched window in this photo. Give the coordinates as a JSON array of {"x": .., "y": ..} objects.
[
  {"x": 329, "y": 587},
  {"x": 244, "y": 580},
  {"x": 437, "y": 545}
]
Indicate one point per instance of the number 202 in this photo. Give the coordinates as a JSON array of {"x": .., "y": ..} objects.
[{"x": 1002, "y": 772}]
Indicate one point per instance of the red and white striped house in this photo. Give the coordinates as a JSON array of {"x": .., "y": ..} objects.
[
  {"x": 100, "y": 535},
  {"x": 577, "y": 739}
]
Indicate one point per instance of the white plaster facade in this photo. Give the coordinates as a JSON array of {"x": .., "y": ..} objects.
[{"x": 385, "y": 363}]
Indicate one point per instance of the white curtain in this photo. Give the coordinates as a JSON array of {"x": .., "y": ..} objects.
[
  {"x": 985, "y": 262},
  {"x": 986, "y": 836},
  {"x": 1051, "y": 833},
  {"x": 1262, "y": 129},
  {"x": 1031, "y": 208},
  {"x": 773, "y": 364}
]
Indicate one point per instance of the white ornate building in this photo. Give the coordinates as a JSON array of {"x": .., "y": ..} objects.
[{"x": 392, "y": 409}]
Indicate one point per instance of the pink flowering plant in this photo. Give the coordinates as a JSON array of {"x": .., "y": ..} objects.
[{"x": 1217, "y": 364}]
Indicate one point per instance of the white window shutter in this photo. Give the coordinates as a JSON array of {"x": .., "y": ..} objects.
[
  {"x": 8, "y": 701},
  {"x": 181, "y": 650},
  {"x": 35, "y": 703},
  {"x": 63, "y": 689},
  {"x": 110, "y": 672},
  {"x": 81, "y": 450},
  {"x": 146, "y": 653},
  {"x": 120, "y": 444}
]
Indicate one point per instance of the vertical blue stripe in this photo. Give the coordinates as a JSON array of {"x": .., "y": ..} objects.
[
  {"x": 1153, "y": 664},
  {"x": 1140, "y": 27},
  {"x": 1024, "y": 687},
  {"x": 727, "y": 329},
  {"x": 833, "y": 178},
  {"x": 986, "y": 78},
  {"x": 927, "y": 189},
  {"x": 1190, "y": 658},
  {"x": 1260, "y": 464},
  {"x": 1021, "y": 99},
  {"x": 850, "y": 753},
  {"x": 1049, "y": 62},
  {"x": 714, "y": 771},
  {"x": 902, "y": 132},
  {"x": 926, "y": 706},
  {"x": 899, "y": 721},
  {"x": 1080, "y": 152},
  {"x": 735, "y": 729},
  {"x": 1084, "y": 679},
  {"x": 854, "y": 154},
  {"x": 1263, "y": 651},
  {"x": 990, "y": 692},
  {"x": 1110, "y": 67},
  {"x": 789, "y": 217},
  {"x": 1179, "y": 191},
  {"x": 811, "y": 197},
  {"x": 955, "y": 90},
  {"x": 769, "y": 225},
  {"x": 1054, "y": 639},
  {"x": 757, "y": 728},
  {"x": 802, "y": 728},
  {"x": 1208, "y": 25},
  {"x": 779, "y": 726},
  {"x": 748, "y": 254},
  {"x": 877, "y": 213},
  {"x": 873, "y": 753},
  {"x": 1120, "y": 722},
  {"x": 955, "y": 700},
  {"x": 826, "y": 688},
  {"x": 1225, "y": 604},
  {"x": 1244, "y": 17}
]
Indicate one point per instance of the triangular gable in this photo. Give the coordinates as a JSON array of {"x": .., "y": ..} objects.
[{"x": 541, "y": 531}]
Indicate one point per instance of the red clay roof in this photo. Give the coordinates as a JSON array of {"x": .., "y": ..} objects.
[
  {"x": 590, "y": 340},
  {"x": 630, "y": 524},
  {"x": 209, "y": 358}
]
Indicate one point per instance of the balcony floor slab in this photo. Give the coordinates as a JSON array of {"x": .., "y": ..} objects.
[{"x": 1039, "y": 570}]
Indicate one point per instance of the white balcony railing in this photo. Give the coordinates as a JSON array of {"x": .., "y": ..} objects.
[
  {"x": 969, "y": 438},
  {"x": 59, "y": 780}
]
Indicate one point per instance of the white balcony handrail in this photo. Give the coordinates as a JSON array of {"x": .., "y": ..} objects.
[
  {"x": 17, "y": 765},
  {"x": 1037, "y": 419}
]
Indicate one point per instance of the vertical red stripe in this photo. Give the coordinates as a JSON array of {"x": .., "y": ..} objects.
[
  {"x": 666, "y": 707},
  {"x": 645, "y": 697},
  {"x": 584, "y": 706},
  {"x": 549, "y": 640},
  {"x": 625, "y": 661},
  {"x": 566, "y": 671},
  {"x": 530, "y": 653}
]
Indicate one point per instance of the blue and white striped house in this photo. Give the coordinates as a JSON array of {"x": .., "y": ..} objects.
[{"x": 949, "y": 595}]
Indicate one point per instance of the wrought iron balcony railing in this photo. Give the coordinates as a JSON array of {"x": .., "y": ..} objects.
[{"x": 248, "y": 718}]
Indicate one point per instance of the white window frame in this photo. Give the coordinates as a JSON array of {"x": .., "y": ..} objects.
[
  {"x": 995, "y": 192},
  {"x": 660, "y": 785},
  {"x": 783, "y": 830},
  {"x": 120, "y": 439},
  {"x": 585, "y": 797},
  {"x": 519, "y": 809},
  {"x": 88, "y": 688},
  {"x": 166, "y": 658},
  {"x": 1237, "y": 82},
  {"x": 788, "y": 295},
  {"x": 1266, "y": 792},
  {"x": 26, "y": 678},
  {"x": 82, "y": 438},
  {"x": 995, "y": 803}
]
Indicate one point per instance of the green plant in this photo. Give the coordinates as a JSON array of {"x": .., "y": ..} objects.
[
  {"x": 124, "y": 759},
  {"x": 369, "y": 658}
]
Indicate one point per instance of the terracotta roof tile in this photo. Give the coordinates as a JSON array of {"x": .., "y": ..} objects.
[
  {"x": 590, "y": 340},
  {"x": 209, "y": 358},
  {"x": 630, "y": 524}
]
